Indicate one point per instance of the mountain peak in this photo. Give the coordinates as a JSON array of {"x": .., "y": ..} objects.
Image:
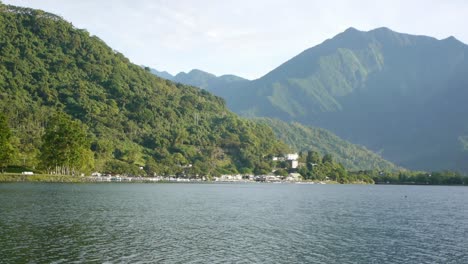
[
  {"x": 350, "y": 30},
  {"x": 382, "y": 29},
  {"x": 161, "y": 74},
  {"x": 453, "y": 39},
  {"x": 197, "y": 71}
]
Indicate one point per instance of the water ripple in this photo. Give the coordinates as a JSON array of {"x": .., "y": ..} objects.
[{"x": 258, "y": 223}]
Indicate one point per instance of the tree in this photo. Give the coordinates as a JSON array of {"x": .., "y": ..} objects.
[
  {"x": 262, "y": 168},
  {"x": 6, "y": 148},
  {"x": 327, "y": 158},
  {"x": 281, "y": 172},
  {"x": 65, "y": 148},
  {"x": 313, "y": 157},
  {"x": 151, "y": 167}
]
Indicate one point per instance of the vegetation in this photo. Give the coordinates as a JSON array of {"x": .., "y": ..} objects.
[
  {"x": 65, "y": 149},
  {"x": 325, "y": 168},
  {"x": 42, "y": 178},
  {"x": 415, "y": 177},
  {"x": 6, "y": 148},
  {"x": 304, "y": 138},
  {"x": 65, "y": 93}
]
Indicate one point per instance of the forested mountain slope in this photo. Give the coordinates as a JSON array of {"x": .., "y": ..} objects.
[{"x": 133, "y": 118}]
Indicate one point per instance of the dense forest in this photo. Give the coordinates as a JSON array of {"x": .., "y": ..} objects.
[{"x": 58, "y": 80}]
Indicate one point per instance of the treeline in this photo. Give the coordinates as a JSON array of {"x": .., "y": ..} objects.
[
  {"x": 65, "y": 147},
  {"x": 415, "y": 177},
  {"x": 317, "y": 168},
  {"x": 313, "y": 166},
  {"x": 52, "y": 72}
]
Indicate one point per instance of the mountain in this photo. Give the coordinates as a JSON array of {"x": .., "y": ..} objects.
[
  {"x": 304, "y": 138},
  {"x": 162, "y": 74},
  {"x": 133, "y": 118},
  {"x": 299, "y": 137},
  {"x": 401, "y": 95},
  {"x": 202, "y": 79}
]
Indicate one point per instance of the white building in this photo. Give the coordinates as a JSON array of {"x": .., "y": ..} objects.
[
  {"x": 294, "y": 164},
  {"x": 294, "y": 156}
]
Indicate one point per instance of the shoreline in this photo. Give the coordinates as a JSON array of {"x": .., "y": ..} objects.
[{"x": 47, "y": 178}]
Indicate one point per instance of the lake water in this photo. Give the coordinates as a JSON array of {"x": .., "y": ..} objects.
[{"x": 232, "y": 223}]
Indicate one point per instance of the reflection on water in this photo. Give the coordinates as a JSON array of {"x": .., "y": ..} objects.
[{"x": 237, "y": 223}]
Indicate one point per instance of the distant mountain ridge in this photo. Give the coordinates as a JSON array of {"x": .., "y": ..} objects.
[
  {"x": 162, "y": 74},
  {"x": 201, "y": 79},
  {"x": 401, "y": 95}
]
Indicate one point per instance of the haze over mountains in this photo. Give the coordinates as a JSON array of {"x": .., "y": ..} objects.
[{"x": 401, "y": 95}]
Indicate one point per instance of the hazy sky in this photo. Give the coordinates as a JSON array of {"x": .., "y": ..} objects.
[{"x": 244, "y": 37}]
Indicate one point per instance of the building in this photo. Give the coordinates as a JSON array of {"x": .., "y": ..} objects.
[
  {"x": 294, "y": 164},
  {"x": 294, "y": 156}
]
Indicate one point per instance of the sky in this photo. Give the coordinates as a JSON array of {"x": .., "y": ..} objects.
[{"x": 247, "y": 38}]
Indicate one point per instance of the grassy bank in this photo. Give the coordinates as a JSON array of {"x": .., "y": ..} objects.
[{"x": 13, "y": 177}]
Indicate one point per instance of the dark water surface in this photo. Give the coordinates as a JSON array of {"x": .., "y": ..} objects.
[{"x": 232, "y": 223}]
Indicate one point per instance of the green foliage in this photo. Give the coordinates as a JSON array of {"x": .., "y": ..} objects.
[
  {"x": 121, "y": 167},
  {"x": 65, "y": 146},
  {"x": 133, "y": 117},
  {"x": 415, "y": 177},
  {"x": 41, "y": 178},
  {"x": 313, "y": 157},
  {"x": 326, "y": 169},
  {"x": 7, "y": 151},
  {"x": 281, "y": 172},
  {"x": 328, "y": 158}
]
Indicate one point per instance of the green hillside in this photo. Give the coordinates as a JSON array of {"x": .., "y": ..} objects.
[
  {"x": 303, "y": 138},
  {"x": 130, "y": 117}
]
